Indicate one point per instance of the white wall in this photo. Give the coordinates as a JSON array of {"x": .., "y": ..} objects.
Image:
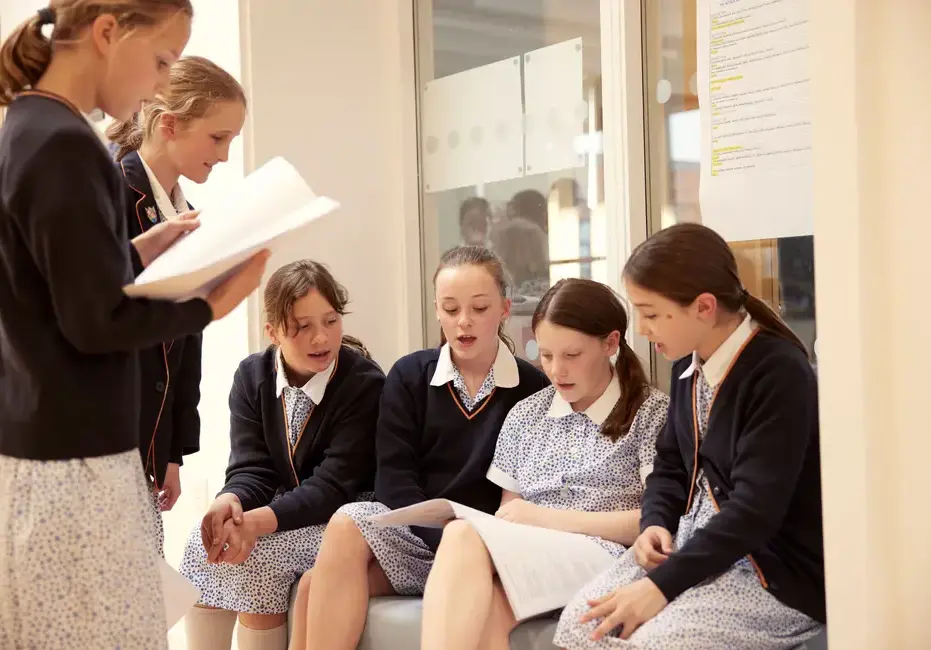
[
  {"x": 871, "y": 129},
  {"x": 332, "y": 90},
  {"x": 13, "y": 12}
]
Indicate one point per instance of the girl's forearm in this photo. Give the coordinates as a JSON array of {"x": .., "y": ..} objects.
[{"x": 621, "y": 527}]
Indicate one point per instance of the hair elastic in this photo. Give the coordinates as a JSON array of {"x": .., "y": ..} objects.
[
  {"x": 744, "y": 296},
  {"x": 46, "y": 16}
]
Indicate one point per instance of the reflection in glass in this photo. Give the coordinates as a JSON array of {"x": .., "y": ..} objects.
[
  {"x": 780, "y": 271},
  {"x": 545, "y": 226}
]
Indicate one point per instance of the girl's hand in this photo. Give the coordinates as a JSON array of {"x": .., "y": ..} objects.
[
  {"x": 171, "y": 488},
  {"x": 626, "y": 608},
  {"x": 239, "y": 540},
  {"x": 224, "y": 508},
  {"x": 653, "y": 547},
  {"x": 159, "y": 238},
  {"x": 519, "y": 511}
]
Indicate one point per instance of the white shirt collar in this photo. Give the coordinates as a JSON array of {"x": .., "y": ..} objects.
[
  {"x": 598, "y": 412},
  {"x": 505, "y": 366},
  {"x": 315, "y": 386},
  {"x": 169, "y": 206},
  {"x": 716, "y": 367}
]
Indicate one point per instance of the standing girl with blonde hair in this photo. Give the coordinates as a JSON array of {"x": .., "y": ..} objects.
[
  {"x": 75, "y": 572},
  {"x": 185, "y": 130}
]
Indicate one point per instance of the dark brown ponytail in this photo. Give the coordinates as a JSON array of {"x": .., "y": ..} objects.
[
  {"x": 594, "y": 309},
  {"x": 479, "y": 256},
  {"x": 684, "y": 261},
  {"x": 769, "y": 320}
]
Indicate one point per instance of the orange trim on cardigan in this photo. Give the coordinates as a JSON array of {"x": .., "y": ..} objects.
[
  {"x": 714, "y": 395},
  {"x": 456, "y": 399},
  {"x": 287, "y": 424},
  {"x": 756, "y": 567}
]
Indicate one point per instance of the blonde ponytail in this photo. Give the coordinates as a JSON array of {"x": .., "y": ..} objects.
[{"x": 128, "y": 136}]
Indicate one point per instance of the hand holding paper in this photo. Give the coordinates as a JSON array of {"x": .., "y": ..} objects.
[
  {"x": 270, "y": 204},
  {"x": 162, "y": 236}
]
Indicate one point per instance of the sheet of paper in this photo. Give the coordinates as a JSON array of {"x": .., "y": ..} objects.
[
  {"x": 180, "y": 595},
  {"x": 270, "y": 204},
  {"x": 540, "y": 569},
  {"x": 473, "y": 127},
  {"x": 754, "y": 89},
  {"x": 430, "y": 514}
]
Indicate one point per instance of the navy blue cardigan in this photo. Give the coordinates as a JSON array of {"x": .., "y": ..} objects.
[
  {"x": 169, "y": 424},
  {"x": 429, "y": 448},
  {"x": 69, "y": 375},
  {"x": 335, "y": 457},
  {"x": 761, "y": 457}
]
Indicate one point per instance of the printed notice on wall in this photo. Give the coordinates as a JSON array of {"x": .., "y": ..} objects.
[{"x": 754, "y": 87}]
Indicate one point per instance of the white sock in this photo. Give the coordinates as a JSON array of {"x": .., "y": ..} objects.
[
  {"x": 209, "y": 629},
  {"x": 249, "y": 639}
]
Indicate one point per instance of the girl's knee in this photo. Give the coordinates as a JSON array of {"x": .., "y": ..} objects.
[
  {"x": 262, "y": 621},
  {"x": 343, "y": 540},
  {"x": 460, "y": 533},
  {"x": 303, "y": 587}
]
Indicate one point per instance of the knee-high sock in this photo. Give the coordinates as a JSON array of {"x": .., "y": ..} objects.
[
  {"x": 274, "y": 639},
  {"x": 209, "y": 629}
]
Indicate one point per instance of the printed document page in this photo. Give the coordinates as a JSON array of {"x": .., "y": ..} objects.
[{"x": 540, "y": 569}]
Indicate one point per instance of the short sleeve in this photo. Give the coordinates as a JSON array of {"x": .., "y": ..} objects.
[
  {"x": 505, "y": 465},
  {"x": 652, "y": 418}
]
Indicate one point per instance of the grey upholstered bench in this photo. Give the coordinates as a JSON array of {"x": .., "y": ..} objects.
[{"x": 394, "y": 624}]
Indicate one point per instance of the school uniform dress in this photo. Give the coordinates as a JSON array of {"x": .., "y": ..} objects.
[
  {"x": 558, "y": 458},
  {"x": 436, "y": 441},
  {"x": 747, "y": 572},
  {"x": 170, "y": 373},
  {"x": 302, "y": 451},
  {"x": 77, "y": 567}
]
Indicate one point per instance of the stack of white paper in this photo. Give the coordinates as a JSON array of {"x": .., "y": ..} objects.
[
  {"x": 540, "y": 569},
  {"x": 270, "y": 204}
]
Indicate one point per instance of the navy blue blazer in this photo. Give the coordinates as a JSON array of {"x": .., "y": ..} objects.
[{"x": 169, "y": 424}]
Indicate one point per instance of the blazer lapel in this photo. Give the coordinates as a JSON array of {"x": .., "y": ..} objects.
[{"x": 146, "y": 209}]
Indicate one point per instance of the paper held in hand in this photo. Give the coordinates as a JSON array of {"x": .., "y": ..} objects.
[
  {"x": 269, "y": 205},
  {"x": 179, "y": 594},
  {"x": 540, "y": 569}
]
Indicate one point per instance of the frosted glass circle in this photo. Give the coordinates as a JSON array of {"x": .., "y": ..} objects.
[
  {"x": 663, "y": 91},
  {"x": 532, "y": 350}
]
